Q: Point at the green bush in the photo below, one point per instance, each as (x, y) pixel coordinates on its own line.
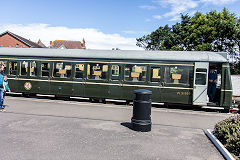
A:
(228, 132)
(233, 143)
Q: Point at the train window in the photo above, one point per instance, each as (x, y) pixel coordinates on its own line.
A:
(3, 63)
(116, 72)
(201, 70)
(45, 68)
(13, 68)
(62, 69)
(135, 73)
(97, 71)
(178, 74)
(79, 70)
(201, 75)
(23, 68)
(33, 68)
(155, 74)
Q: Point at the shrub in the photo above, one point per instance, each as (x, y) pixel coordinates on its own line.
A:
(233, 144)
(228, 132)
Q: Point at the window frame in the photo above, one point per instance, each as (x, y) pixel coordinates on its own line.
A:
(64, 65)
(36, 69)
(202, 71)
(88, 70)
(75, 71)
(190, 75)
(16, 70)
(136, 65)
(120, 67)
(20, 68)
(41, 70)
(160, 73)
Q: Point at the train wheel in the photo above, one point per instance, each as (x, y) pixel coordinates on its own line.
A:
(96, 100)
(102, 101)
(26, 95)
(92, 100)
(60, 97)
(129, 102)
(33, 94)
(226, 110)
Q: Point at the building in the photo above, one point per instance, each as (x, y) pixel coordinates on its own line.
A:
(66, 44)
(9, 39)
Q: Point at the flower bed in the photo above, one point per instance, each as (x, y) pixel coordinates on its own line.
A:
(228, 133)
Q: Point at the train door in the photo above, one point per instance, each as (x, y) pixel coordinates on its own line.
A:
(61, 81)
(97, 84)
(156, 82)
(200, 83)
(13, 70)
(79, 79)
(116, 88)
(44, 76)
(135, 77)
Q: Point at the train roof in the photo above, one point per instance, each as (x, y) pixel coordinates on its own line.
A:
(184, 56)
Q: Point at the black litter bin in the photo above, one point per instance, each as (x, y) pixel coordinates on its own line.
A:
(141, 120)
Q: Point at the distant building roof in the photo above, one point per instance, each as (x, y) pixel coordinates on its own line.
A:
(41, 44)
(23, 40)
(67, 44)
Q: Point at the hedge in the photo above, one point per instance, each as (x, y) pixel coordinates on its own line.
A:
(228, 132)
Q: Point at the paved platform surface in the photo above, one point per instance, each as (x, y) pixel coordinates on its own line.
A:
(43, 129)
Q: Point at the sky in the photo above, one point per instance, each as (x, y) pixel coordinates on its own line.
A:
(104, 24)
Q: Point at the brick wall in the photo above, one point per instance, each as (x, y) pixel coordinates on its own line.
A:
(8, 41)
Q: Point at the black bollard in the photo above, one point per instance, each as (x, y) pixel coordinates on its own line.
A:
(141, 120)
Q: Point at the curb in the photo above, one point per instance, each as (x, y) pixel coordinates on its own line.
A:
(219, 146)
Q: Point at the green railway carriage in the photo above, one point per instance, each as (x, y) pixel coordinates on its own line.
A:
(173, 76)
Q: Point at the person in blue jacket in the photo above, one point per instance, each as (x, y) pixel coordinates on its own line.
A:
(212, 83)
(2, 88)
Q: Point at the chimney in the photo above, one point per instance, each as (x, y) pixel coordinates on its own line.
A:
(83, 44)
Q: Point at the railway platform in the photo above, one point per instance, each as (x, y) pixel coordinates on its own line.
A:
(46, 128)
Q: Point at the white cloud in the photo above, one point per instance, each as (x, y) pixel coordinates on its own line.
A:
(175, 18)
(157, 17)
(186, 6)
(148, 7)
(192, 12)
(178, 7)
(94, 38)
(218, 2)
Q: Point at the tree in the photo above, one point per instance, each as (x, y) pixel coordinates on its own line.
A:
(213, 31)
(235, 68)
(161, 39)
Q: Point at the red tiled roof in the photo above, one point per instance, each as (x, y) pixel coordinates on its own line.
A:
(24, 40)
(68, 44)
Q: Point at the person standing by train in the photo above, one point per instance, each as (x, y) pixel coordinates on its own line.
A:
(212, 83)
(2, 88)
(6, 86)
